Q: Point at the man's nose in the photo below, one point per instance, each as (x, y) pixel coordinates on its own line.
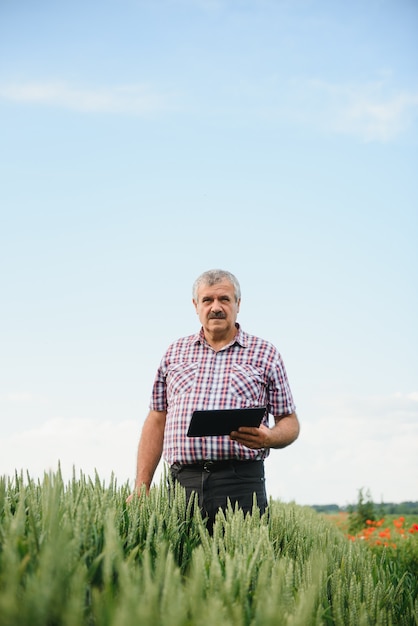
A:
(216, 306)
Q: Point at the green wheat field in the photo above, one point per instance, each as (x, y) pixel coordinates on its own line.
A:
(75, 554)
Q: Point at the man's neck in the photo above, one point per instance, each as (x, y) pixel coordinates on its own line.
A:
(217, 342)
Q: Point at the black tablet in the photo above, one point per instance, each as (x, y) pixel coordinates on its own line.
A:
(223, 421)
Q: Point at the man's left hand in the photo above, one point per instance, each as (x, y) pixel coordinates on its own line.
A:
(254, 438)
(283, 433)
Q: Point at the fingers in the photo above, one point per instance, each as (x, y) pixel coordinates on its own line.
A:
(249, 437)
(254, 438)
(136, 493)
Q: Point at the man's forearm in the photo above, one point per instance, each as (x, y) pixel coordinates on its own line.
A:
(150, 448)
(285, 431)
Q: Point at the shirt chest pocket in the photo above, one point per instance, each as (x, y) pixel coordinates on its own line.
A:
(181, 378)
(248, 383)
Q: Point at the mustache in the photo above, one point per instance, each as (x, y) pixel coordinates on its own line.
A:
(217, 316)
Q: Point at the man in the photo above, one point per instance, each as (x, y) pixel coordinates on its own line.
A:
(220, 367)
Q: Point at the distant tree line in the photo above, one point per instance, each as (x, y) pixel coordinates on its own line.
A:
(370, 509)
(404, 508)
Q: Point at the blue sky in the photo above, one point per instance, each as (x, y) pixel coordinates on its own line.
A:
(145, 142)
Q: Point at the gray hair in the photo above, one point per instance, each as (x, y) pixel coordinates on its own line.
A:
(212, 277)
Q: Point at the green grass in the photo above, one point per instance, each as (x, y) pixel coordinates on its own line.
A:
(75, 554)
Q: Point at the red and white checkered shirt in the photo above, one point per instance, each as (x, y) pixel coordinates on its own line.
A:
(248, 372)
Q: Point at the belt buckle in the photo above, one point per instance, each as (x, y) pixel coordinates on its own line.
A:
(208, 465)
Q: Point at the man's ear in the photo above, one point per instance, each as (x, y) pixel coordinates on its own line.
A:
(195, 304)
(238, 305)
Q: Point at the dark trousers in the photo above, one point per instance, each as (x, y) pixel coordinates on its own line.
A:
(222, 482)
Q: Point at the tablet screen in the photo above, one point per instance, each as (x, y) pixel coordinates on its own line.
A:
(223, 421)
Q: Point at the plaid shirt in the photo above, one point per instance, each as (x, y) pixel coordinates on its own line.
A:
(248, 372)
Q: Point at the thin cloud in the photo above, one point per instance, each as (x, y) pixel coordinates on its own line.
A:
(398, 406)
(127, 99)
(369, 111)
(22, 398)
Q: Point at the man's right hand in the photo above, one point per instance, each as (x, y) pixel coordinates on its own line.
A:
(136, 493)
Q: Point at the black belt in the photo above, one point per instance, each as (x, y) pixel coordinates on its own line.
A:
(211, 466)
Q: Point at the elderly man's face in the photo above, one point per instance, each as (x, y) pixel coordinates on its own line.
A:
(217, 308)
